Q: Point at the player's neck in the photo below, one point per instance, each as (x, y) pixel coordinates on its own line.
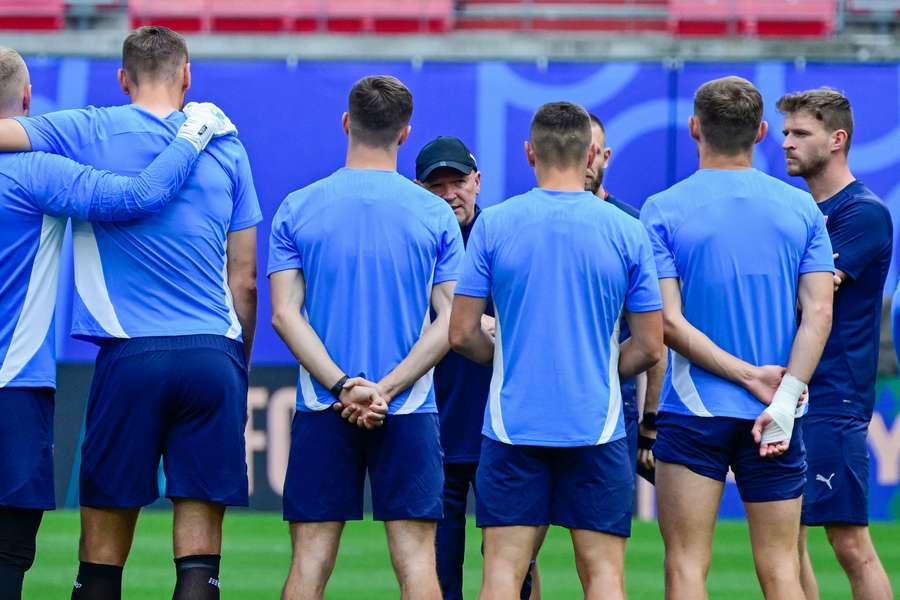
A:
(157, 99)
(601, 192)
(832, 179)
(559, 180)
(365, 157)
(710, 159)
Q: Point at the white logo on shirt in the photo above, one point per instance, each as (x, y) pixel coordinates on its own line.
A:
(826, 481)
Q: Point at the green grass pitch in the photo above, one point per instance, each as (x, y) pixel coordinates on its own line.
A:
(257, 553)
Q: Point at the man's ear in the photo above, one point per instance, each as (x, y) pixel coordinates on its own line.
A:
(186, 77)
(839, 140)
(124, 82)
(26, 100)
(477, 175)
(404, 135)
(529, 153)
(607, 153)
(345, 123)
(763, 130)
(694, 127)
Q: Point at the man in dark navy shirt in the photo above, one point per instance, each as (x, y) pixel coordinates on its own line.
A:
(447, 168)
(818, 128)
(640, 439)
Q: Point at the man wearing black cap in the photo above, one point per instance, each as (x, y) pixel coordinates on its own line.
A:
(447, 168)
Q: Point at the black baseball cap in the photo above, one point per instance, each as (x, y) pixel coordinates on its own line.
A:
(444, 151)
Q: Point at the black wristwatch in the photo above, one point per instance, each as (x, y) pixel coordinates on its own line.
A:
(649, 421)
(339, 386)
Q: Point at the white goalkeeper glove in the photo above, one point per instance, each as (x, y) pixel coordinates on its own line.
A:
(204, 121)
(782, 410)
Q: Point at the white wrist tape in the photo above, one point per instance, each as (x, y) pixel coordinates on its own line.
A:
(782, 410)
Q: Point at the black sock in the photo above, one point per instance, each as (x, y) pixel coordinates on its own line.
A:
(197, 577)
(11, 580)
(18, 529)
(97, 582)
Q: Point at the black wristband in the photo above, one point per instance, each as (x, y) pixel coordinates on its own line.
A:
(645, 442)
(649, 421)
(339, 386)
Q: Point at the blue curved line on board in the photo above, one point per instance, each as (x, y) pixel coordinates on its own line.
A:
(500, 87)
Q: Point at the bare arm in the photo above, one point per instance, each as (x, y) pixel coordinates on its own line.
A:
(694, 345)
(773, 428)
(288, 290)
(655, 376)
(428, 350)
(241, 257)
(13, 137)
(467, 333)
(359, 400)
(645, 346)
(816, 295)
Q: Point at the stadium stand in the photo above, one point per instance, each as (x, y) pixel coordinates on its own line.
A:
(32, 15)
(680, 18)
(783, 18)
(556, 15)
(332, 16)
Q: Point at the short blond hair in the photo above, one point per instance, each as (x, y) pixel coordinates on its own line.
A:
(13, 78)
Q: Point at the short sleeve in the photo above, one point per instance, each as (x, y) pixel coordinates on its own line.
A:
(860, 235)
(476, 275)
(660, 240)
(61, 132)
(283, 251)
(643, 283)
(450, 249)
(817, 257)
(245, 212)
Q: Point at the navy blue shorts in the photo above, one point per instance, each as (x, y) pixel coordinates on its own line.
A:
(26, 448)
(708, 446)
(330, 456)
(837, 484)
(180, 398)
(581, 487)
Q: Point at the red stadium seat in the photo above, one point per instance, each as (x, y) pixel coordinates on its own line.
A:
(788, 18)
(32, 14)
(341, 16)
(389, 16)
(264, 15)
(563, 15)
(181, 15)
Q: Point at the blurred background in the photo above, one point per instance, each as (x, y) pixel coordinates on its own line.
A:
(282, 69)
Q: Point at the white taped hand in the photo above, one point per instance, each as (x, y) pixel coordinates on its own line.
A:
(782, 410)
(204, 121)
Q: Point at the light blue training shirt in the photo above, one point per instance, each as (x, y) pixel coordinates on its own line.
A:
(738, 242)
(166, 275)
(561, 268)
(371, 244)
